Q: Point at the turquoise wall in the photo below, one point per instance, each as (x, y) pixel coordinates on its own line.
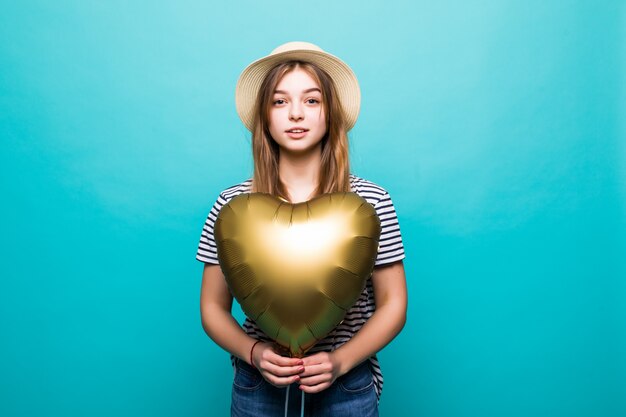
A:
(498, 127)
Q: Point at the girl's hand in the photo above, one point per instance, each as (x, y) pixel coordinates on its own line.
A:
(320, 371)
(278, 370)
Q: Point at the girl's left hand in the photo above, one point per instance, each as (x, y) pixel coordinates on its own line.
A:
(320, 371)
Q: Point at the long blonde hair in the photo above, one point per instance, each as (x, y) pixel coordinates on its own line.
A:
(335, 166)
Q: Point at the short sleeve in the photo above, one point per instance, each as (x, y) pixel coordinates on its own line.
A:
(207, 250)
(390, 248)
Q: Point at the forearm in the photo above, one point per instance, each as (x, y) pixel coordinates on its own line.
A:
(380, 329)
(224, 330)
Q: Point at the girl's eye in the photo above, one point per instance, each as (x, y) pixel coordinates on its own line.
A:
(312, 100)
(279, 101)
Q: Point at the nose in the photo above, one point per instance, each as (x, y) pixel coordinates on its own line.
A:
(295, 112)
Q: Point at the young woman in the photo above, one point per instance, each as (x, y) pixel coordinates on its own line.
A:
(299, 102)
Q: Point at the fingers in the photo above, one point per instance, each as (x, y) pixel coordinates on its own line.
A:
(283, 370)
(280, 381)
(315, 388)
(266, 353)
(320, 371)
(320, 368)
(276, 369)
(313, 380)
(273, 357)
(316, 359)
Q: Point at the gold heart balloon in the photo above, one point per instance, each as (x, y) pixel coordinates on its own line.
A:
(296, 269)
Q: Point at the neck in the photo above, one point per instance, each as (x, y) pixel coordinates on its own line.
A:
(300, 173)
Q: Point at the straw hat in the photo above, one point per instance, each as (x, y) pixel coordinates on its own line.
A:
(251, 78)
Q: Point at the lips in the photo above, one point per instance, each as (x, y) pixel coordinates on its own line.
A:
(297, 130)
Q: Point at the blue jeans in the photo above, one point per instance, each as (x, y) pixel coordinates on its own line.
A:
(351, 395)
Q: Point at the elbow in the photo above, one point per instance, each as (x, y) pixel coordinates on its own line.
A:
(396, 312)
(401, 306)
(401, 320)
(204, 320)
(207, 316)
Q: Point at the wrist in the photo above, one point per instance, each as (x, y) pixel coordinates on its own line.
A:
(252, 353)
(343, 361)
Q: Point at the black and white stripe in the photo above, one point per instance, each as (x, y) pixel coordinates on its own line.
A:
(390, 250)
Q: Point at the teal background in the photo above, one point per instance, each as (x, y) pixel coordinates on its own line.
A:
(498, 127)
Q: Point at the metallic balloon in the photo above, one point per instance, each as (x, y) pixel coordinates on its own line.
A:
(296, 269)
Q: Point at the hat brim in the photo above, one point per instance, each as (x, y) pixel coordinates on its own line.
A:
(252, 76)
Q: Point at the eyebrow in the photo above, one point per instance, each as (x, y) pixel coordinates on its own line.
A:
(305, 91)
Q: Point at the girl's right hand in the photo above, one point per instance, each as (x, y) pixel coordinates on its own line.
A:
(278, 370)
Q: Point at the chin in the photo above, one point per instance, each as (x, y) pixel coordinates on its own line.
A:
(299, 150)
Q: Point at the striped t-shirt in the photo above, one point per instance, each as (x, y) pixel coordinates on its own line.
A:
(390, 250)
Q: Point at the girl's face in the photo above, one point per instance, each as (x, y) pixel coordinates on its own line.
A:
(297, 120)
